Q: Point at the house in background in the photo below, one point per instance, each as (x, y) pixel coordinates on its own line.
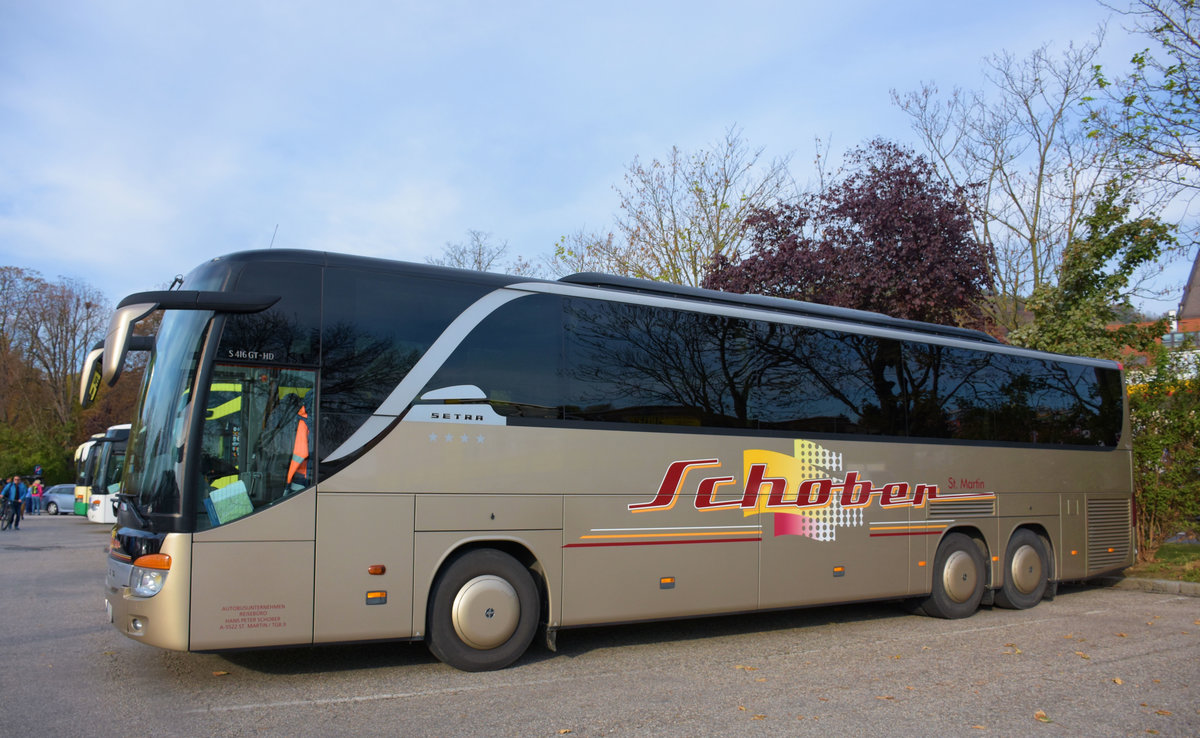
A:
(1185, 322)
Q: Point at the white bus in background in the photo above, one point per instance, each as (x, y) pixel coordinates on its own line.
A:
(83, 473)
(106, 481)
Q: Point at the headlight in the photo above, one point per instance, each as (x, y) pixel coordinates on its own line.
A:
(149, 574)
(147, 582)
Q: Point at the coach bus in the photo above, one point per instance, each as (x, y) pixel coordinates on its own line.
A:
(106, 479)
(84, 466)
(335, 449)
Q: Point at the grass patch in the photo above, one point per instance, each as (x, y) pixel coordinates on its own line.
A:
(1178, 562)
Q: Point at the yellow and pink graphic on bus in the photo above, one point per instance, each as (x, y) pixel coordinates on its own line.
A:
(805, 492)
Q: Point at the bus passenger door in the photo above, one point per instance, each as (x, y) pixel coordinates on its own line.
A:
(253, 569)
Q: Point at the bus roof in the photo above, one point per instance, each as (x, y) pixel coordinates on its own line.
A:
(775, 304)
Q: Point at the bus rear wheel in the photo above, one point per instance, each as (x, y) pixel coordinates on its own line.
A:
(958, 578)
(1025, 571)
(483, 611)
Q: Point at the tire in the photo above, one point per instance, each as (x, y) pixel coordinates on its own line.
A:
(1026, 571)
(52, 508)
(959, 573)
(483, 611)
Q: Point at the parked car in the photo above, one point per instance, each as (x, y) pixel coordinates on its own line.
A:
(59, 499)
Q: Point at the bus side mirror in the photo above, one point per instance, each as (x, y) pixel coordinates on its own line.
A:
(90, 377)
(116, 343)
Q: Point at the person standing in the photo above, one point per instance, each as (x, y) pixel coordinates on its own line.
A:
(22, 493)
(35, 496)
(6, 504)
(13, 492)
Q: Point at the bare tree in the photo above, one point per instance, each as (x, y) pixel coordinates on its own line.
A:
(584, 251)
(1026, 153)
(481, 254)
(680, 213)
(15, 291)
(64, 320)
(45, 330)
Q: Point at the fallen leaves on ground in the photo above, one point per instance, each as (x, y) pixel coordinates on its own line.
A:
(1040, 716)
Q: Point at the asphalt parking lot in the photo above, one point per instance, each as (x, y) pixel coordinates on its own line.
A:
(1097, 660)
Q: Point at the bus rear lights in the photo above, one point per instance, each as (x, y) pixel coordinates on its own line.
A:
(150, 573)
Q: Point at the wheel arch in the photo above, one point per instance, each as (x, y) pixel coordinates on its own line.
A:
(976, 535)
(1039, 529)
(514, 547)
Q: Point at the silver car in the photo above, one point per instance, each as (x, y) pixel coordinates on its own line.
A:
(59, 499)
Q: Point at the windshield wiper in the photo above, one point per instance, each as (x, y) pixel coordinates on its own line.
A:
(132, 505)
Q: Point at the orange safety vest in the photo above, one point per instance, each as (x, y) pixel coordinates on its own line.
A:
(300, 447)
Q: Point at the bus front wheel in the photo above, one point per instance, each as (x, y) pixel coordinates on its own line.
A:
(958, 578)
(1025, 571)
(483, 611)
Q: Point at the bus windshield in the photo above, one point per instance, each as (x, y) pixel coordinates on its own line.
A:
(156, 452)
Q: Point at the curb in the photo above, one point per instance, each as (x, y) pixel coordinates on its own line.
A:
(1157, 586)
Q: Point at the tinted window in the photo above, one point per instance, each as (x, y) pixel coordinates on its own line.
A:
(978, 396)
(831, 382)
(376, 326)
(634, 363)
(289, 332)
(514, 356)
(637, 364)
(597, 361)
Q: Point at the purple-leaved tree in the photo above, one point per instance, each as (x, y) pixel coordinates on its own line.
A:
(887, 235)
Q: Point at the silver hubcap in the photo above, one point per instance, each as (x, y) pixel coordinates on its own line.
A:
(1026, 570)
(960, 576)
(486, 612)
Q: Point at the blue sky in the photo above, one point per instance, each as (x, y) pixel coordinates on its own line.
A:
(140, 138)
